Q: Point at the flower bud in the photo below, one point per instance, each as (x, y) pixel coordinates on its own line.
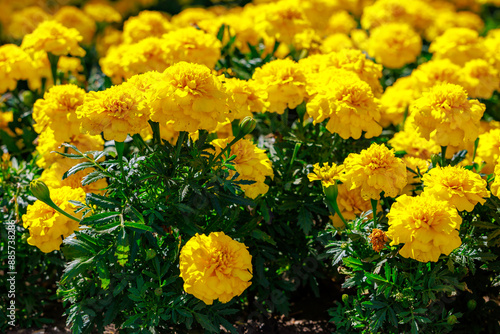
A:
(451, 320)
(28, 97)
(331, 193)
(150, 253)
(40, 190)
(471, 304)
(158, 291)
(247, 125)
(345, 298)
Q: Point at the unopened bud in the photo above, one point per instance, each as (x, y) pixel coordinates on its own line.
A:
(158, 291)
(40, 190)
(451, 320)
(247, 125)
(28, 97)
(471, 304)
(150, 253)
(345, 298)
(331, 193)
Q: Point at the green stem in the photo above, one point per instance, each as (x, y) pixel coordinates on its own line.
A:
(58, 209)
(53, 59)
(331, 193)
(155, 126)
(374, 203)
(225, 149)
(180, 142)
(120, 148)
(443, 156)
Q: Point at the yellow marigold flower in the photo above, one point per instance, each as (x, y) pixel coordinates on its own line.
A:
(117, 111)
(102, 12)
(340, 22)
(246, 97)
(71, 67)
(378, 239)
(395, 101)
(328, 175)
(374, 170)
(47, 144)
(488, 150)
(447, 19)
(306, 40)
(53, 37)
(417, 165)
(110, 37)
(447, 115)
(356, 7)
(57, 110)
(394, 45)
(194, 46)
(336, 42)
(495, 186)
(251, 162)
(191, 96)
(416, 13)
(284, 82)
(434, 72)
(413, 144)
(6, 117)
(282, 20)
(46, 225)
(360, 39)
(190, 17)
(480, 79)
(72, 17)
(15, 65)
(347, 101)
(351, 205)
(53, 177)
(458, 45)
(25, 21)
(427, 226)
(460, 187)
(215, 267)
(146, 24)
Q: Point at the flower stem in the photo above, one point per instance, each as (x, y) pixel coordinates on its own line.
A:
(53, 59)
(120, 147)
(374, 203)
(54, 206)
(331, 193)
(443, 156)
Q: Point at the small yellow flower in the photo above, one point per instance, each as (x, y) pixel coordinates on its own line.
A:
(495, 186)
(427, 226)
(48, 227)
(215, 267)
(146, 24)
(480, 79)
(460, 187)
(251, 163)
(445, 114)
(458, 45)
(53, 37)
(15, 65)
(72, 17)
(328, 175)
(374, 170)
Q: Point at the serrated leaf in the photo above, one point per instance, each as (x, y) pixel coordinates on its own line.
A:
(75, 267)
(205, 322)
(79, 167)
(305, 220)
(261, 235)
(139, 226)
(100, 218)
(122, 248)
(92, 177)
(102, 201)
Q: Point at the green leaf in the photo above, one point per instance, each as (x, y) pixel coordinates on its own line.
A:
(102, 201)
(205, 322)
(74, 268)
(131, 320)
(139, 226)
(79, 167)
(261, 235)
(305, 220)
(100, 218)
(93, 177)
(122, 248)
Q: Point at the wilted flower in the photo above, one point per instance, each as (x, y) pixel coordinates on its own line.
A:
(215, 267)
(378, 239)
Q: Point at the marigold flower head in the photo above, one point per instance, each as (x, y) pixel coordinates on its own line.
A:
(319, 12)
(57, 110)
(480, 79)
(458, 45)
(24, 21)
(282, 20)
(347, 101)
(15, 65)
(215, 267)
(146, 24)
(47, 143)
(395, 101)
(53, 177)
(191, 96)
(447, 19)
(374, 170)
(102, 12)
(394, 45)
(447, 115)
(351, 205)
(495, 186)
(109, 38)
(246, 97)
(48, 227)
(336, 42)
(192, 45)
(190, 17)
(488, 150)
(52, 36)
(378, 239)
(72, 17)
(426, 225)
(413, 144)
(328, 175)
(251, 163)
(116, 112)
(434, 72)
(460, 187)
(340, 22)
(284, 82)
